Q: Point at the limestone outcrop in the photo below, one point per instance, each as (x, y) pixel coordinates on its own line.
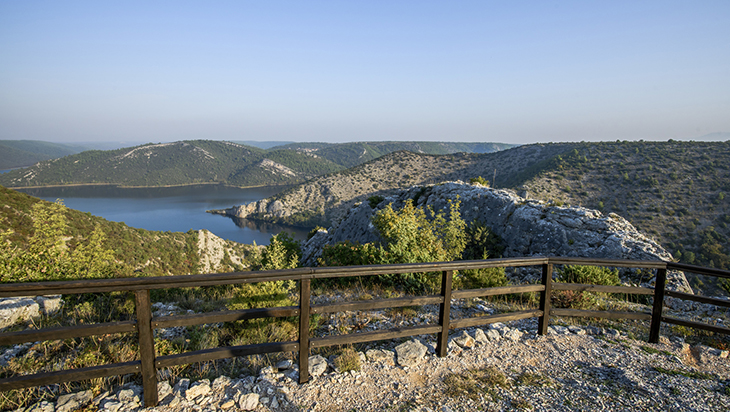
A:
(529, 227)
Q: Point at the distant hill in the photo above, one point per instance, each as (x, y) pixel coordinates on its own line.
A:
(178, 163)
(22, 153)
(353, 154)
(210, 161)
(261, 145)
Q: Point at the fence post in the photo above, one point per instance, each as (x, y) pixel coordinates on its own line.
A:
(656, 313)
(442, 341)
(146, 347)
(304, 295)
(547, 280)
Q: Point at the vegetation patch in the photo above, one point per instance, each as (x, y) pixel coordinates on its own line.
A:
(474, 384)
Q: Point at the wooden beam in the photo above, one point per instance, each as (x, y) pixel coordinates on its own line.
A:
(545, 299)
(67, 332)
(223, 353)
(224, 316)
(502, 317)
(146, 347)
(69, 375)
(373, 336)
(501, 290)
(600, 314)
(442, 340)
(603, 288)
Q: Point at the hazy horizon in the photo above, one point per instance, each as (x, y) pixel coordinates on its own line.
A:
(516, 72)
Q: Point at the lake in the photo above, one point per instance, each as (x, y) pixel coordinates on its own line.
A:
(175, 209)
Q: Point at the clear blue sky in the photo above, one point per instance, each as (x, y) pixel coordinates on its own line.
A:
(336, 71)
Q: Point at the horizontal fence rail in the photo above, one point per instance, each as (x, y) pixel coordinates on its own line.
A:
(145, 323)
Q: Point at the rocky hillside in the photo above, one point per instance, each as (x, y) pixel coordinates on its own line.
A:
(527, 227)
(326, 199)
(674, 191)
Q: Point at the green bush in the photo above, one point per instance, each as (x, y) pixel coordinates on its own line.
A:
(374, 201)
(587, 275)
(480, 181)
(283, 252)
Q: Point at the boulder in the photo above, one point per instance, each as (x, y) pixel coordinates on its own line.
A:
(249, 401)
(411, 353)
(73, 401)
(317, 365)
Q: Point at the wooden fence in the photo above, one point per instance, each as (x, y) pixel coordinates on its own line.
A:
(148, 363)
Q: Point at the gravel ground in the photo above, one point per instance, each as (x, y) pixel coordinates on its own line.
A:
(579, 373)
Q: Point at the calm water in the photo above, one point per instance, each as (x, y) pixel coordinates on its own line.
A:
(176, 209)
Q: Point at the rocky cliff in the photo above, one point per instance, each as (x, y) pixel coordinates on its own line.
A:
(528, 227)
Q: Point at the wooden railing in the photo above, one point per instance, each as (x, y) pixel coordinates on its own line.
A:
(145, 323)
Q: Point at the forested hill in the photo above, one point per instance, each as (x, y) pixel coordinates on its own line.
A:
(353, 154)
(22, 153)
(207, 161)
(179, 163)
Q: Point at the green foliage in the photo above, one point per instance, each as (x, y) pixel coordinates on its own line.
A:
(47, 257)
(351, 254)
(587, 275)
(374, 201)
(314, 231)
(283, 252)
(135, 251)
(480, 278)
(482, 243)
(414, 234)
(480, 181)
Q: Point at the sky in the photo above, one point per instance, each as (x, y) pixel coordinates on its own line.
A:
(340, 71)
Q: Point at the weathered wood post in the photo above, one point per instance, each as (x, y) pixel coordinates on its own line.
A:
(547, 280)
(656, 313)
(146, 347)
(304, 295)
(442, 341)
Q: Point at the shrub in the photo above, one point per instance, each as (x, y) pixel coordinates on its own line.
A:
(587, 275)
(349, 360)
(374, 201)
(283, 252)
(479, 181)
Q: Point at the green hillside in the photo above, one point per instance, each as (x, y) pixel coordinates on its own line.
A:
(22, 153)
(179, 163)
(353, 154)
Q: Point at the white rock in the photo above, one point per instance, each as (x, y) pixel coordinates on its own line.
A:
(317, 365)
(480, 336)
(73, 401)
(411, 353)
(249, 401)
(464, 340)
(198, 389)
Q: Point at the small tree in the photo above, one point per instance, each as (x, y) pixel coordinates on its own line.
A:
(283, 252)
